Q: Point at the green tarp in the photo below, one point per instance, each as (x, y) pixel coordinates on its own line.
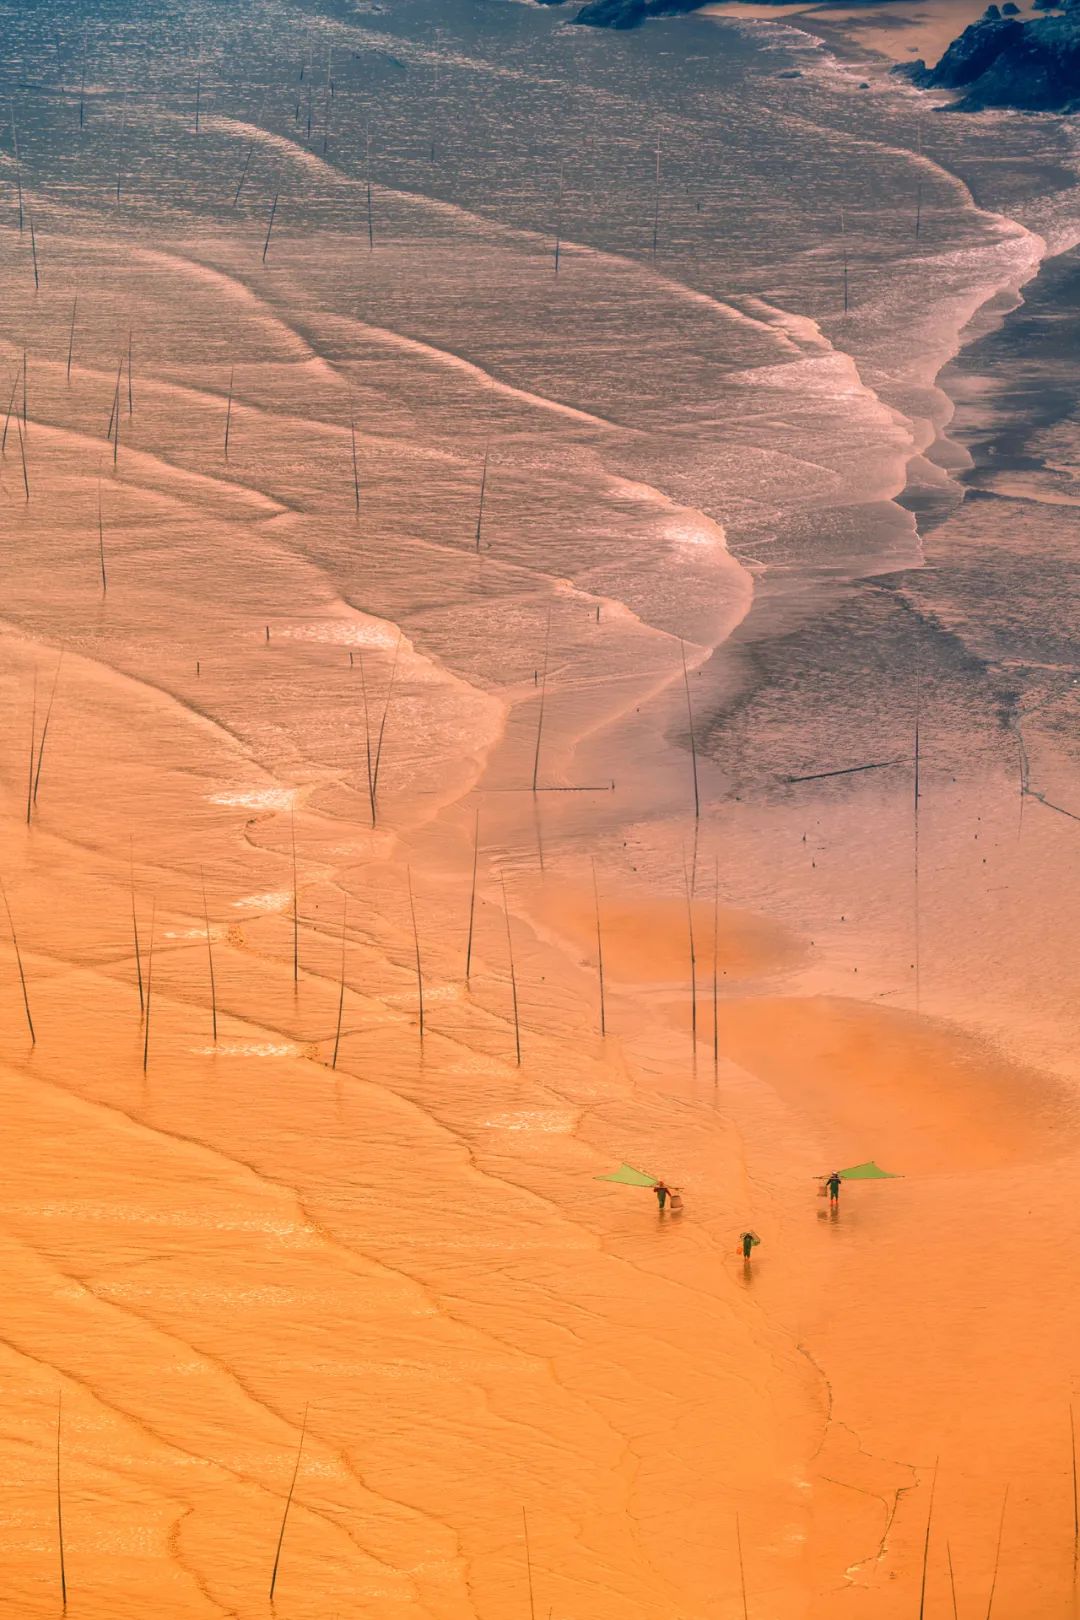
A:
(629, 1177)
(866, 1172)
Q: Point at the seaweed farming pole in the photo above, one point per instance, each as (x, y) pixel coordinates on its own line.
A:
(528, 1565)
(844, 257)
(715, 966)
(295, 903)
(997, 1555)
(513, 977)
(483, 491)
(341, 987)
(1075, 1494)
(101, 541)
(693, 951)
(149, 986)
(416, 951)
(135, 931)
(558, 219)
(60, 1505)
(270, 226)
(742, 1569)
(367, 167)
(952, 1581)
(33, 252)
(656, 199)
(18, 167)
(71, 336)
(288, 1505)
(209, 956)
(543, 700)
(915, 817)
(228, 410)
(19, 965)
(33, 746)
(599, 952)
(693, 747)
(926, 1544)
(355, 464)
(472, 895)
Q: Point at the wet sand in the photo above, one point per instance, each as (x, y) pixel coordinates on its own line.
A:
(224, 1250)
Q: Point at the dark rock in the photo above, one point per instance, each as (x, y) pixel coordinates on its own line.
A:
(790, 73)
(1000, 62)
(1009, 10)
(631, 13)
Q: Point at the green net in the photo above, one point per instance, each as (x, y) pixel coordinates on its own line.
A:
(629, 1177)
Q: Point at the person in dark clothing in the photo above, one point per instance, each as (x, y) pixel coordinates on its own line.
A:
(661, 1190)
(747, 1241)
(833, 1184)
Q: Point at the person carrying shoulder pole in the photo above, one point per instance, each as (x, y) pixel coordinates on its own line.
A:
(833, 1184)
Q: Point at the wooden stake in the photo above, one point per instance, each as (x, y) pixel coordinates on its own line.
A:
(149, 986)
(472, 895)
(543, 699)
(10, 409)
(209, 956)
(690, 721)
(123, 140)
(130, 388)
(416, 948)
(599, 952)
(341, 991)
(198, 99)
(513, 977)
(528, 1565)
(915, 819)
(288, 1505)
(60, 1505)
(843, 250)
(19, 965)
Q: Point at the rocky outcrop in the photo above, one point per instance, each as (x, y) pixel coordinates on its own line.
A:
(628, 13)
(1001, 62)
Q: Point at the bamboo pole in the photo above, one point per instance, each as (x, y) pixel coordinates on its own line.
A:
(101, 541)
(228, 410)
(135, 931)
(656, 199)
(149, 986)
(270, 226)
(209, 956)
(715, 967)
(60, 1506)
(690, 720)
(33, 750)
(33, 250)
(71, 335)
(19, 965)
(1075, 1493)
(558, 220)
(355, 465)
(742, 1570)
(483, 491)
(341, 988)
(997, 1555)
(513, 977)
(926, 1545)
(599, 952)
(382, 723)
(288, 1505)
(472, 895)
(528, 1565)
(416, 949)
(367, 736)
(693, 952)
(295, 903)
(18, 167)
(952, 1581)
(45, 727)
(543, 701)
